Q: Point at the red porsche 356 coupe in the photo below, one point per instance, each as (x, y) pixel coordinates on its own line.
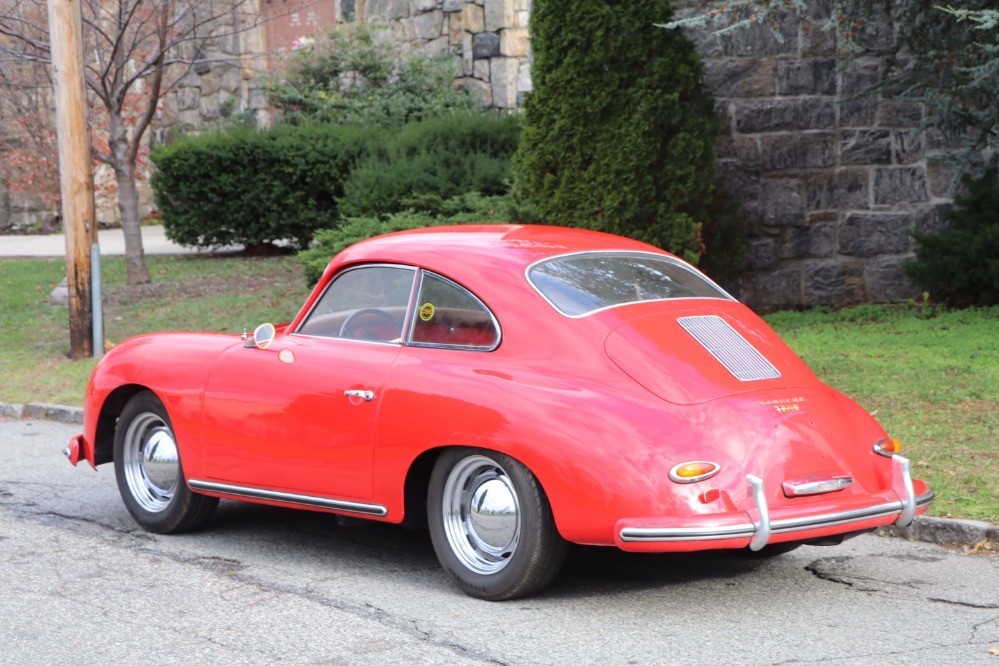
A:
(513, 388)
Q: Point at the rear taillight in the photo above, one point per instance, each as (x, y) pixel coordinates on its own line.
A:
(693, 471)
(887, 447)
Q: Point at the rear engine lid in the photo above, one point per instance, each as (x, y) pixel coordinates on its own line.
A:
(688, 357)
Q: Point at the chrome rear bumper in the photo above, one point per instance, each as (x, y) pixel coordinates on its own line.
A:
(759, 528)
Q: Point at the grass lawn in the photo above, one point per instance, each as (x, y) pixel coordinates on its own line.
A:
(188, 293)
(932, 380)
(930, 377)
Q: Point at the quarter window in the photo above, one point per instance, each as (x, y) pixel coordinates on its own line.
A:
(448, 315)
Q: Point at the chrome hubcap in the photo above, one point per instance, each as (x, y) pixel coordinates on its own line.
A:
(151, 463)
(481, 514)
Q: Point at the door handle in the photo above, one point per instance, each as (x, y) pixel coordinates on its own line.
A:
(363, 395)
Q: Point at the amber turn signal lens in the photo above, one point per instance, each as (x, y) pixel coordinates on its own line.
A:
(693, 471)
(887, 447)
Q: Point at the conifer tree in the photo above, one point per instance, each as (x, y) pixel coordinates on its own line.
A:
(619, 133)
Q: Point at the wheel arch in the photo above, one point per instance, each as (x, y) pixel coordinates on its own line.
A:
(107, 421)
(416, 485)
(417, 481)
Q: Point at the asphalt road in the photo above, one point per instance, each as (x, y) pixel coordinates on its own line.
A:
(81, 584)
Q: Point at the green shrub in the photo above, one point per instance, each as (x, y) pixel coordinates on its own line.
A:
(433, 160)
(619, 133)
(724, 234)
(362, 75)
(960, 264)
(252, 188)
(464, 209)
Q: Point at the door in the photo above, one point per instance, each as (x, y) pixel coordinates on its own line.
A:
(300, 416)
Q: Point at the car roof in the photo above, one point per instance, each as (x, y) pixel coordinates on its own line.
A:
(511, 246)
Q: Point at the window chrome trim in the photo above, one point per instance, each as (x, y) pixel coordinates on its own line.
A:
(680, 263)
(288, 498)
(410, 321)
(406, 315)
(414, 307)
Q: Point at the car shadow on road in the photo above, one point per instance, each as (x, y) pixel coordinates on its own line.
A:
(594, 569)
(589, 570)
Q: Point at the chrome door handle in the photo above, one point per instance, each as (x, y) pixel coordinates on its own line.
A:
(363, 395)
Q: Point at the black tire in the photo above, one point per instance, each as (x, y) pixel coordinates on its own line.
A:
(492, 553)
(148, 469)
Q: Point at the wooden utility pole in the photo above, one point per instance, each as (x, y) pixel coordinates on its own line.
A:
(76, 176)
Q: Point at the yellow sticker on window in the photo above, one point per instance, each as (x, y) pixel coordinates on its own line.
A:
(427, 311)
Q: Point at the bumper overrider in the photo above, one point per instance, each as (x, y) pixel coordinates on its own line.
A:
(761, 525)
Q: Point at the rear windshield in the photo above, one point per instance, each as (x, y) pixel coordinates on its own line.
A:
(578, 284)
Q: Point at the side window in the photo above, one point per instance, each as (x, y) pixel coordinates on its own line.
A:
(366, 303)
(449, 316)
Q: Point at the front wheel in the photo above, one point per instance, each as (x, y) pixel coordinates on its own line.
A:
(149, 473)
(491, 525)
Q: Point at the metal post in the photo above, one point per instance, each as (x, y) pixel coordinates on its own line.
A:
(98, 299)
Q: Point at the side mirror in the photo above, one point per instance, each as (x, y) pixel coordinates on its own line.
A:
(263, 336)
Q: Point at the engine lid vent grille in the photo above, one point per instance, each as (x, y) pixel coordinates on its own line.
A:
(730, 349)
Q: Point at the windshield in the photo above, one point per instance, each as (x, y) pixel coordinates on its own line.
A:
(578, 284)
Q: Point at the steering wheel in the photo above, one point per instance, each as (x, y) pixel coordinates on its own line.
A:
(347, 332)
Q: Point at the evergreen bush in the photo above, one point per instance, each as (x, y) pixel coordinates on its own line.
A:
(619, 133)
(362, 75)
(433, 160)
(255, 187)
(959, 265)
(463, 209)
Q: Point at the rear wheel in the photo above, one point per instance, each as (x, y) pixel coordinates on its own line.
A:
(491, 525)
(148, 470)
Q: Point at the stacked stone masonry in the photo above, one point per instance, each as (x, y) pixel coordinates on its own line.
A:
(489, 37)
(831, 176)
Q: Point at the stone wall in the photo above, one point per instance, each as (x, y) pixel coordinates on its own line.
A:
(223, 82)
(20, 210)
(490, 37)
(831, 176)
(226, 76)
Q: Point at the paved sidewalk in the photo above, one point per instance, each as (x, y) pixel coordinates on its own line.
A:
(112, 242)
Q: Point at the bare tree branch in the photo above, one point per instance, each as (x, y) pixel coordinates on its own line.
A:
(154, 92)
(129, 43)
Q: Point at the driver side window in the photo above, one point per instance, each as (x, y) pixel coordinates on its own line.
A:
(365, 303)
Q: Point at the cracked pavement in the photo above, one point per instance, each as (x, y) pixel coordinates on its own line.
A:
(80, 583)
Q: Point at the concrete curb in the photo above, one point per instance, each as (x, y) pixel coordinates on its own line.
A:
(42, 410)
(944, 531)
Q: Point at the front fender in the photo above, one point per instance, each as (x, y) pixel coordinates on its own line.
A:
(174, 366)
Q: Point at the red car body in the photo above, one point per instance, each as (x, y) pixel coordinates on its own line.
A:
(600, 407)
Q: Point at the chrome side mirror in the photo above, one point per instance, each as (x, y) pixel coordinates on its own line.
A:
(263, 336)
